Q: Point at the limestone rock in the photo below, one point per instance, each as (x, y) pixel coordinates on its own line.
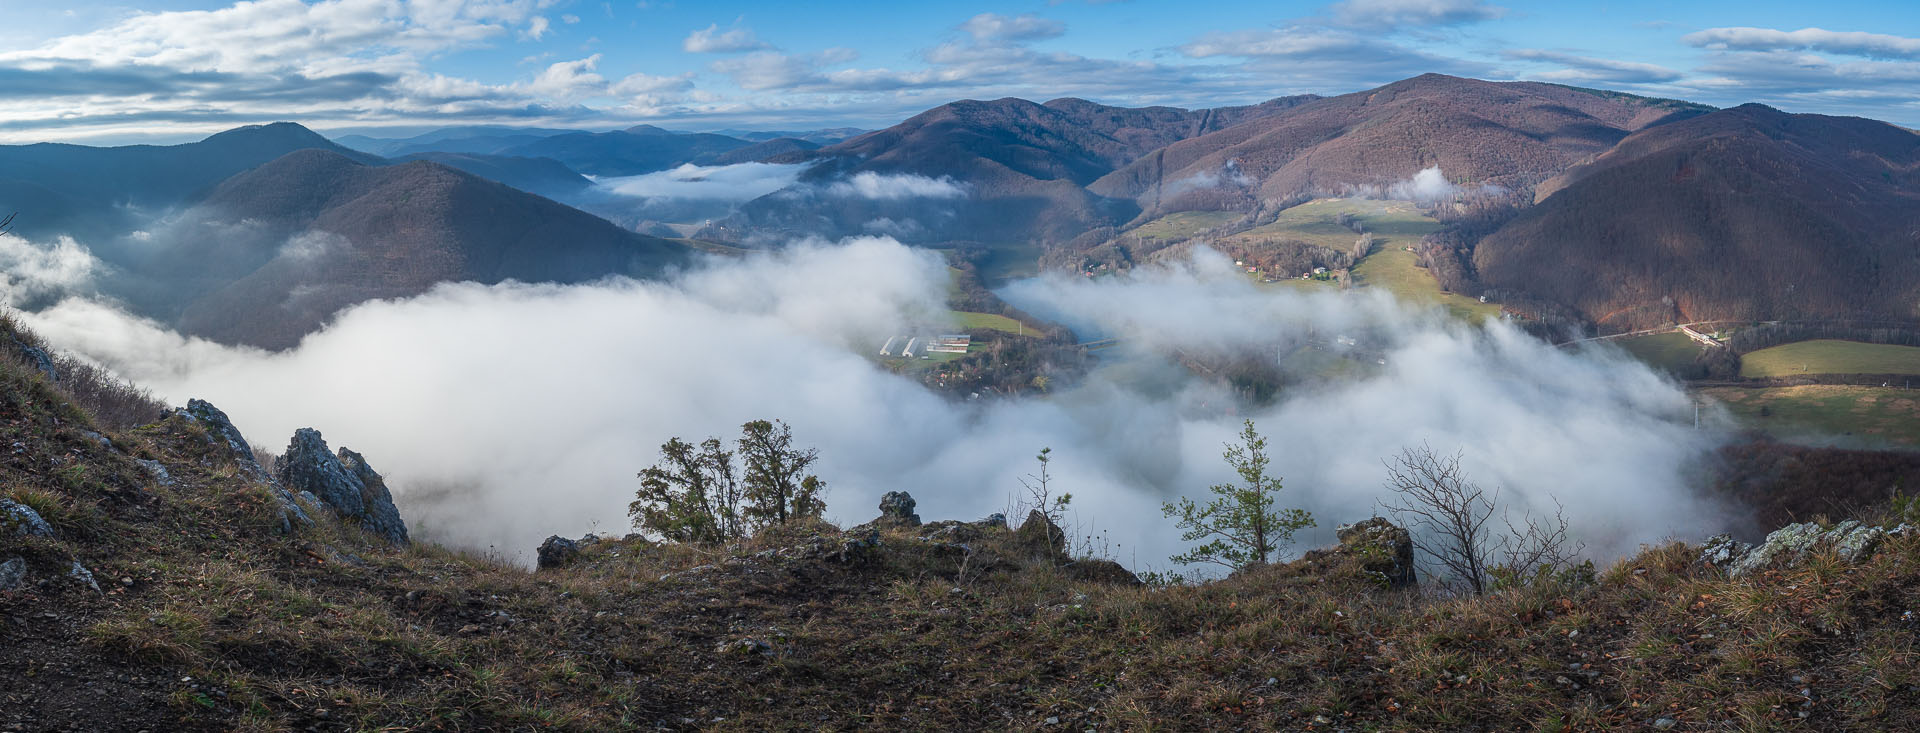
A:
(40, 360)
(381, 515)
(13, 574)
(558, 552)
(157, 471)
(1382, 547)
(80, 574)
(1722, 551)
(343, 483)
(1040, 537)
(896, 509)
(1851, 541)
(22, 519)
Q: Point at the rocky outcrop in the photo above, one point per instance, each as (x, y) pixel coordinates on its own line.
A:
(343, 482)
(1040, 538)
(558, 552)
(380, 513)
(1382, 547)
(13, 574)
(22, 519)
(1374, 551)
(896, 510)
(1850, 541)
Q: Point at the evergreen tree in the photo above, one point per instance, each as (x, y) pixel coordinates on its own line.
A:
(1240, 527)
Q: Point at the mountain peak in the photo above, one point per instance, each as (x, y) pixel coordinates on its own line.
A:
(276, 131)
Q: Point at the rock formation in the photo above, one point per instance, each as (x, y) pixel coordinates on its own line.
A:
(344, 483)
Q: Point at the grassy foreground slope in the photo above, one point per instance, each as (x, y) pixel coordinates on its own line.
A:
(210, 617)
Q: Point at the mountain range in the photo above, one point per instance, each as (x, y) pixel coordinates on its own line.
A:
(1624, 211)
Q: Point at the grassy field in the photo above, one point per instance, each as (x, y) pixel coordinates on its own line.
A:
(969, 321)
(1399, 224)
(1875, 415)
(1184, 224)
(1830, 357)
(1670, 351)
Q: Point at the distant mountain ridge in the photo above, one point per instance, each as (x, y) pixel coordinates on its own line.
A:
(1026, 166)
(98, 192)
(354, 232)
(1498, 133)
(1747, 213)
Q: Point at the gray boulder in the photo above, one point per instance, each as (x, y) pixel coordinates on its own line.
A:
(80, 574)
(13, 574)
(558, 552)
(896, 509)
(1791, 545)
(22, 519)
(1382, 547)
(1040, 538)
(343, 483)
(381, 515)
(40, 360)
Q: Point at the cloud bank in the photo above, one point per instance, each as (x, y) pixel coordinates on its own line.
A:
(507, 413)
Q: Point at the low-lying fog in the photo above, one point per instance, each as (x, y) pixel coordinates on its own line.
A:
(504, 414)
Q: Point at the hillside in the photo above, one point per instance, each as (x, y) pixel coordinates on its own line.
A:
(1505, 134)
(156, 574)
(100, 192)
(633, 151)
(1747, 213)
(330, 232)
(544, 176)
(1024, 165)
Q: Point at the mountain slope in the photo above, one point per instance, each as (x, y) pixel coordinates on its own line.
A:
(334, 232)
(544, 176)
(1509, 134)
(1746, 213)
(1024, 166)
(98, 192)
(633, 151)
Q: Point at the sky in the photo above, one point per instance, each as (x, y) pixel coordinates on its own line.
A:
(172, 70)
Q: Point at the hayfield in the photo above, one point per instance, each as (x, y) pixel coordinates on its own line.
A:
(1826, 356)
(1883, 416)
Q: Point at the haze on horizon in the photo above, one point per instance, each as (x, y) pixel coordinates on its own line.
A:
(108, 72)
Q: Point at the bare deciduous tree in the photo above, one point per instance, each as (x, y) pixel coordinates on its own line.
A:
(1451, 518)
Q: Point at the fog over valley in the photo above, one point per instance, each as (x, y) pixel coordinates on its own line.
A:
(502, 414)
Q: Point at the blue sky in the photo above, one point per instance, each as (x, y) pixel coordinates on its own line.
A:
(100, 70)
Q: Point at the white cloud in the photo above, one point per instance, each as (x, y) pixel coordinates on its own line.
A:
(261, 35)
(1393, 13)
(783, 336)
(1228, 175)
(897, 186)
(569, 81)
(1587, 70)
(993, 27)
(33, 273)
(729, 183)
(713, 40)
(537, 28)
(1848, 43)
